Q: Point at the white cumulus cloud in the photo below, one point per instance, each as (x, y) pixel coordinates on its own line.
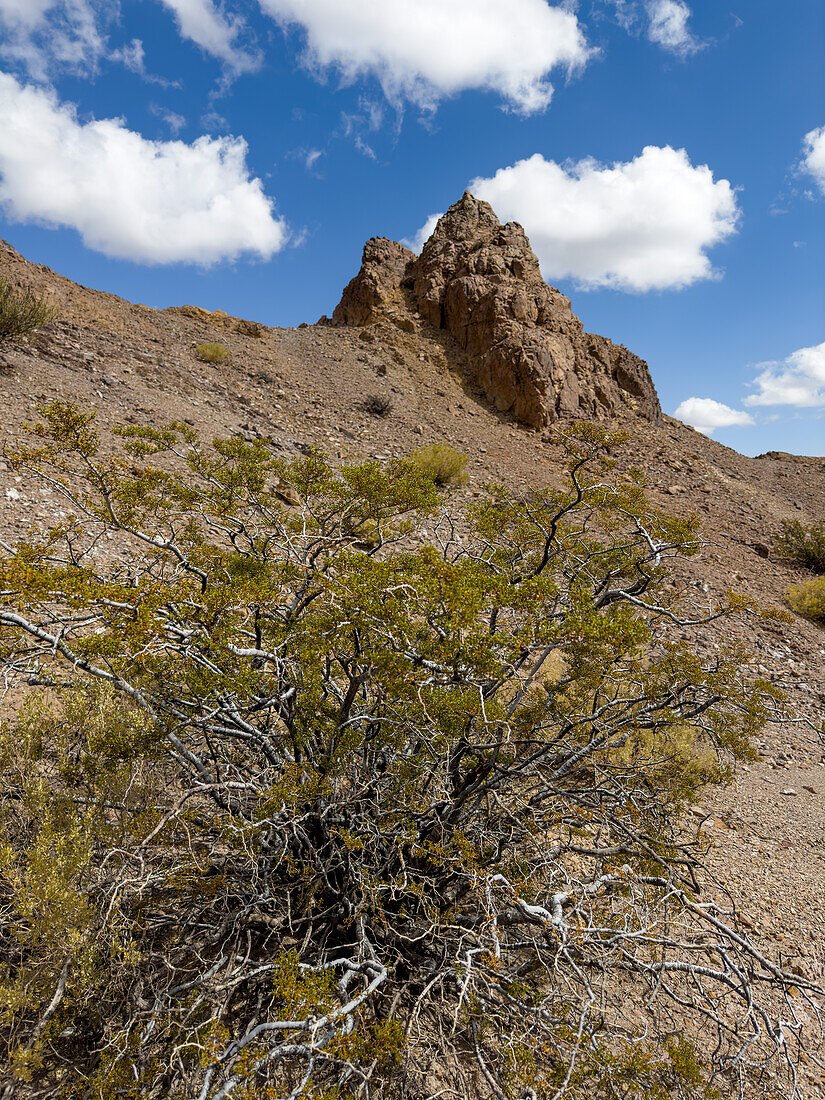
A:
(24, 12)
(797, 380)
(422, 50)
(813, 156)
(641, 225)
(706, 415)
(664, 22)
(149, 201)
(668, 27)
(215, 31)
(38, 35)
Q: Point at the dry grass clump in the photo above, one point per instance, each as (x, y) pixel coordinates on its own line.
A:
(22, 312)
(803, 544)
(211, 353)
(442, 463)
(808, 599)
(377, 404)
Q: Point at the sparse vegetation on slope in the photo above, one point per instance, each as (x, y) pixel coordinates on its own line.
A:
(22, 312)
(803, 543)
(286, 817)
(377, 404)
(441, 463)
(808, 599)
(211, 353)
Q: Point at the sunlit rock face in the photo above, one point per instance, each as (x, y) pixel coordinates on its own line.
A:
(480, 281)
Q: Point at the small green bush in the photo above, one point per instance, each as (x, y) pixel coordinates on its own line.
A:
(441, 463)
(211, 353)
(803, 544)
(808, 599)
(22, 311)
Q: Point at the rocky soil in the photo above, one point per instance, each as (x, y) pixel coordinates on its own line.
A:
(402, 333)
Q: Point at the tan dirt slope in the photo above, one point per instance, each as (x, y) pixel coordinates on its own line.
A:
(306, 386)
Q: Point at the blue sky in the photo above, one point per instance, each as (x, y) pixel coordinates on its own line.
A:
(666, 157)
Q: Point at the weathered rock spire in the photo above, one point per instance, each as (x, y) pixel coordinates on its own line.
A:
(480, 281)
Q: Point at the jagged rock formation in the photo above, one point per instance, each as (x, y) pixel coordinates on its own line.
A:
(480, 281)
(378, 283)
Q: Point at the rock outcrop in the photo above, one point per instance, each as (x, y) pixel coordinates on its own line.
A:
(480, 281)
(378, 284)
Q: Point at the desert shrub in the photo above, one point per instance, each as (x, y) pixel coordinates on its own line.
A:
(377, 404)
(808, 598)
(803, 544)
(293, 814)
(211, 353)
(441, 463)
(22, 311)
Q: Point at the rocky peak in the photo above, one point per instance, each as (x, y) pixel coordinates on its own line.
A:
(9, 252)
(377, 285)
(470, 240)
(480, 281)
